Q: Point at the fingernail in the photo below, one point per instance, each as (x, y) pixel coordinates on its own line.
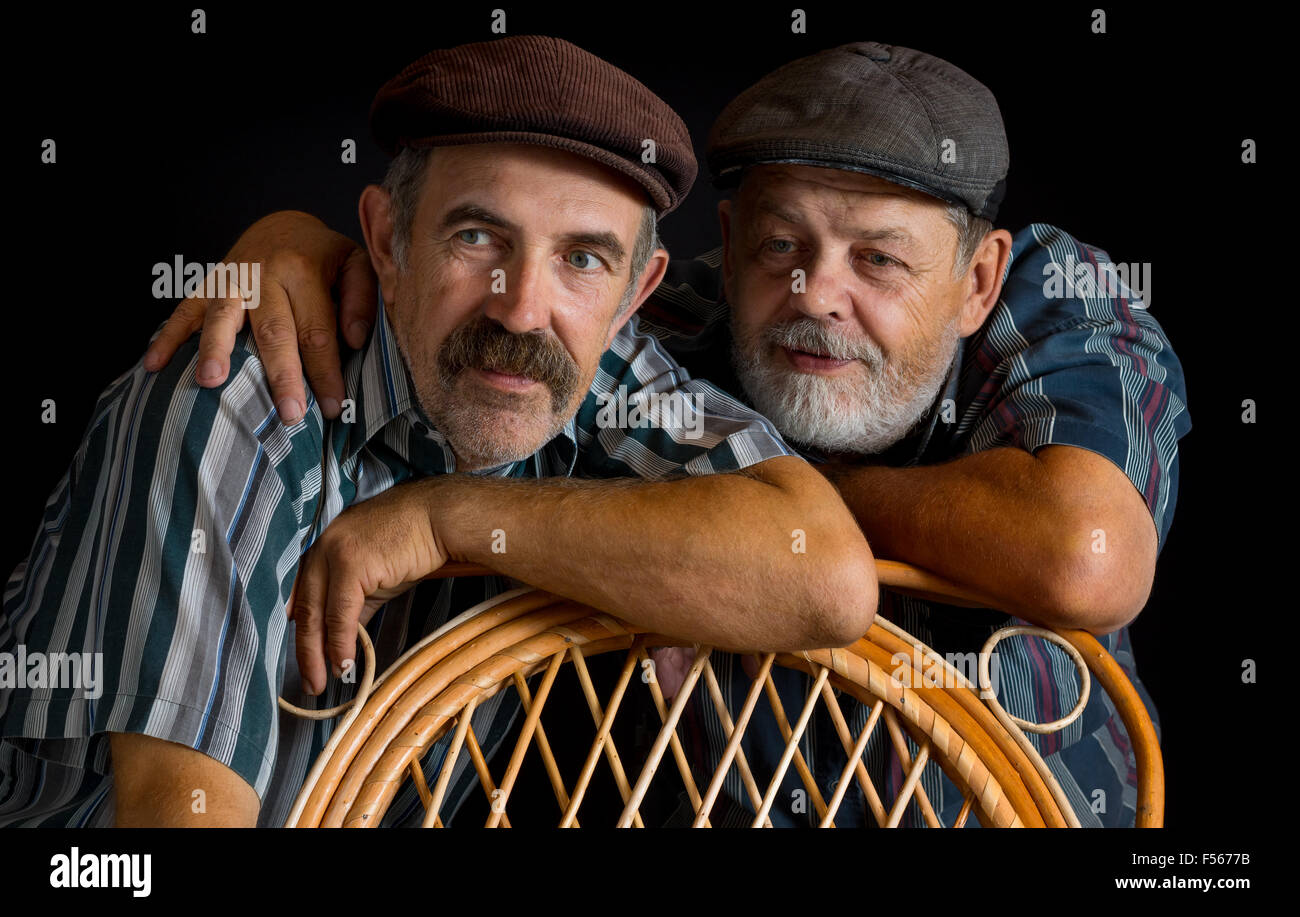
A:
(150, 361)
(335, 669)
(290, 410)
(359, 330)
(329, 406)
(209, 370)
(308, 689)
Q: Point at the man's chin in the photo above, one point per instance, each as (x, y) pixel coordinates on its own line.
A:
(823, 413)
(493, 437)
(489, 431)
(490, 421)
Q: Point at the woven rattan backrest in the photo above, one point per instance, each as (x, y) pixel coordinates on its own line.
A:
(432, 692)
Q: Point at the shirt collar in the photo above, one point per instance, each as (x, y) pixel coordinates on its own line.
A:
(379, 382)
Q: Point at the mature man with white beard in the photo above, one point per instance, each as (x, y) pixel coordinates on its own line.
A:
(985, 413)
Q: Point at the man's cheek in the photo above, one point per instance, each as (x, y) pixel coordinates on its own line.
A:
(758, 302)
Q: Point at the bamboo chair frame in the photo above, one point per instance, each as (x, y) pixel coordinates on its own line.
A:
(435, 686)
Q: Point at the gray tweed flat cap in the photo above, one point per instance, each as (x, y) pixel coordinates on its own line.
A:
(893, 112)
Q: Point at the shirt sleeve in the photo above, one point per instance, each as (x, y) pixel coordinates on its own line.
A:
(1081, 363)
(645, 416)
(163, 563)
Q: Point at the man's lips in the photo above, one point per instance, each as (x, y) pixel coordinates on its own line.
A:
(506, 381)
(813, 362)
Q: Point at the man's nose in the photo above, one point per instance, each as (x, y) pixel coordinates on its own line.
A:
(822, 291)
(518, 297)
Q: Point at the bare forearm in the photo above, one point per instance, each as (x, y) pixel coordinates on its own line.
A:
(732, 560)
(989, 521)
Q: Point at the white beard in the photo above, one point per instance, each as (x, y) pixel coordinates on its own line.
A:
(862, 413)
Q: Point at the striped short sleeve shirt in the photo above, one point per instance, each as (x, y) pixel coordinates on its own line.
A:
(169, 549)
(1063, 358)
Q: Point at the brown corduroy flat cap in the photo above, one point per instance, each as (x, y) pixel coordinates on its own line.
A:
(547, 91)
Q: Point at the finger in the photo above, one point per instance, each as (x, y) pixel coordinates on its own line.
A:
(224, 318)
(309, 623)
(274, 329)
(671, 665)
(358, 298)
(343, 609)
(186, 319)
(313, 313)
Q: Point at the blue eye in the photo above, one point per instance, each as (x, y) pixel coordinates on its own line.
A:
(884, 260)
(576, 260)
(473, 236)
(776, 243)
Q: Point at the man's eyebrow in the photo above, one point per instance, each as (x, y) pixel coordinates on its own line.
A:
(474, 213)
(606, 241)
(887, 234)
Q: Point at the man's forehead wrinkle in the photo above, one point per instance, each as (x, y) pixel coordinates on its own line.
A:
(839, 215)
(781, 212)
(595, 215)
(524, 192)
(784, 195)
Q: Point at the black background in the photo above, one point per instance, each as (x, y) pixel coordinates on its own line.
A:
(171, 143)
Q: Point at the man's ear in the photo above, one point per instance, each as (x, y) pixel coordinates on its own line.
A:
(651, 275)
(377, 226)
(984, 280)
(724, 223)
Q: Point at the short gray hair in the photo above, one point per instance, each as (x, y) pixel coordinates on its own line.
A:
(403, 182)
(647, 241)
(405, 178)
(971, 231)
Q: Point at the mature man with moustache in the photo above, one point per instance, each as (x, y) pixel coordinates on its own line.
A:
(979, 423)
(175, 543)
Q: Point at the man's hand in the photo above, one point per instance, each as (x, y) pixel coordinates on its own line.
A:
(371, 553)
(301, 260)
(671, 664)
(709, 559)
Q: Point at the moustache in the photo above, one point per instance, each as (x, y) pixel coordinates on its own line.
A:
(812, 336)
(482, 343)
